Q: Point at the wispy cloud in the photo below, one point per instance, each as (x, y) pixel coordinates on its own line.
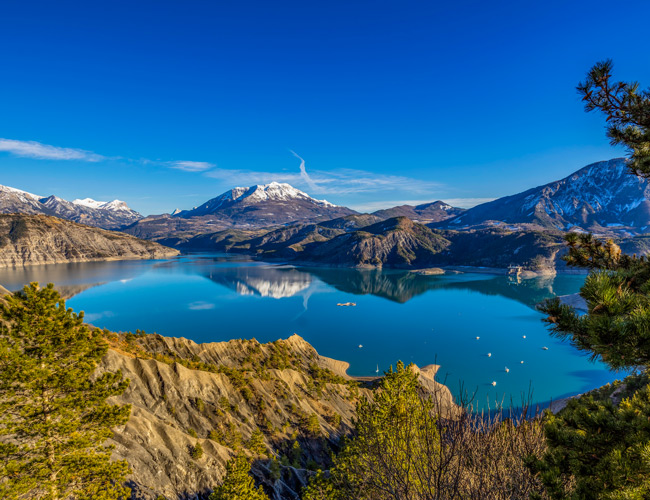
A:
(33, 149)
(191, 166)
(304, 174)
(337, 181)
(39, 151)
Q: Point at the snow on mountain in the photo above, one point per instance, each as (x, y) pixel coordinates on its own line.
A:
(599, 196)
(107, 215)
(266, 204)
(89, 202)
(114, 205)
(275, 191)
(19, 193)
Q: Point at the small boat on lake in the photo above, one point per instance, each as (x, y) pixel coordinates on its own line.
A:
(346, 304)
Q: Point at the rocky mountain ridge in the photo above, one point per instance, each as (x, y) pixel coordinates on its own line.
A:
(435, 211)
(392, 243)
(265, 205)
(41, 239)
(181, 393)
(104, 214)
(603, 198)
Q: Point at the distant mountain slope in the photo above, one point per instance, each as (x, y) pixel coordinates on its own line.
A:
(600, 197)
(397, 242)
(266, 205)
(428, 212)
(41, 239)
(107, 215)
(16, 201)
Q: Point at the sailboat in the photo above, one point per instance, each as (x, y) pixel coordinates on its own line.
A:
(377, 370)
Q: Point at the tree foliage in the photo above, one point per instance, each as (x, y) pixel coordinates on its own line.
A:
(406, 447)
(627, 111)
(238, 484)
(596, 449)
(617, 326)
(54, 418)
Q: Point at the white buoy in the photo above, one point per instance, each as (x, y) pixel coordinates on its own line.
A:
(494, 383)
(489, 354)
(507, 369)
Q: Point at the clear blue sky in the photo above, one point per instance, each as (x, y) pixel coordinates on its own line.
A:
(172, 103)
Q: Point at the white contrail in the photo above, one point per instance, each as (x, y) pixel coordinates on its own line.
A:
(303, 172)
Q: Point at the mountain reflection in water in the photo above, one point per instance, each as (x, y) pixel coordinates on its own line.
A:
(399, 316)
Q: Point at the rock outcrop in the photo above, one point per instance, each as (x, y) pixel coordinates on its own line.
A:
(41, 239)
(218, 394)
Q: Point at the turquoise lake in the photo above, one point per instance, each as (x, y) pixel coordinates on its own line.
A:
(398, 316)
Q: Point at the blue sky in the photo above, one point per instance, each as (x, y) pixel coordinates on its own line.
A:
(168, 104)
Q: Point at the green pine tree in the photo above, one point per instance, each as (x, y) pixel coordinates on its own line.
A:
(238, 484)
(627, 111)
(54, 418)
(256, 443)
(597, 450)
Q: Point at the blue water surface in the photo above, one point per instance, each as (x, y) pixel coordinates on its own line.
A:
(398, 316)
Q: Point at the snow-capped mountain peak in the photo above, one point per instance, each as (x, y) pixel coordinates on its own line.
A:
(596, 198)
(266, 204)
(274, 191)
(19, 193)
(89, 202)
(103, 205)
(105, 214)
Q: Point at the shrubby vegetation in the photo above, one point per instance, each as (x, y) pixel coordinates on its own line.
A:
(407, 446)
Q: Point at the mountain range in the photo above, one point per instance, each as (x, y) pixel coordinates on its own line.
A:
(601, 198)
(114, 214)
(279, 221)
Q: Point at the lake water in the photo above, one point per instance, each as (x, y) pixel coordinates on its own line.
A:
(398, 316)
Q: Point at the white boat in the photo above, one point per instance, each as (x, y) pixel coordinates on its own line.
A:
(545, 348)
(489, 354)
(507, 370)
(494, 383)
(478, 338)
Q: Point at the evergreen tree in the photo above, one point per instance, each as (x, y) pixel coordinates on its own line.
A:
(238, 484)
(256, 443)
(627, 110)
(597, 450)
(54, 417)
